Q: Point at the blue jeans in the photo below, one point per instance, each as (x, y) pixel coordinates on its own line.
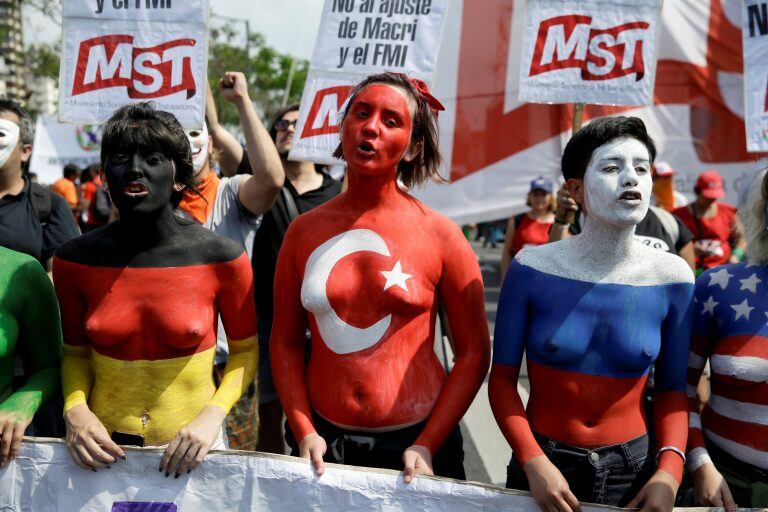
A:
(611, 475)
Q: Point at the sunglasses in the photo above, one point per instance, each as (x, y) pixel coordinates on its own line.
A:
(282, 124)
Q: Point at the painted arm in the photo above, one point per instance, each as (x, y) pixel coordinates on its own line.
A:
(670, 403)
(461, 293)
(259, 192)
(688, 254)
(88, 441)
(506, 252)
(508, 346)
(40, 349)
(230, 150)
(238, 315)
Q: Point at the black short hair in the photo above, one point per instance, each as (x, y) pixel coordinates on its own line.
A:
(71, 171)
(26, 126)
(278, 116)
(141, 124)
(578, 151)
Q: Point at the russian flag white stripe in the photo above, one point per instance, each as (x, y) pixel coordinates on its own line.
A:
(695, 362)
(752, 369)
(744, 453)
(740, 411)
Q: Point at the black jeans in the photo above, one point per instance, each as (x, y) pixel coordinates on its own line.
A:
(748, 484)
(611, 475)
(383, 449)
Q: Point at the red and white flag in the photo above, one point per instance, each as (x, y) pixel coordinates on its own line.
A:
(755, 39)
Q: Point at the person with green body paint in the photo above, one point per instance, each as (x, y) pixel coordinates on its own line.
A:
(30, 327)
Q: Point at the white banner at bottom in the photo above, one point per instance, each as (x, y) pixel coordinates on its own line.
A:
(44, 478)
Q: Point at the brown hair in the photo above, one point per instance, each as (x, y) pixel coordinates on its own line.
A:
(426, 165)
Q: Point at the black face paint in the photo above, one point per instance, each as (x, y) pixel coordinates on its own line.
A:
(140, 179)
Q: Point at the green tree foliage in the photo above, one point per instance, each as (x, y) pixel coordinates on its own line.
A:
(267, 71)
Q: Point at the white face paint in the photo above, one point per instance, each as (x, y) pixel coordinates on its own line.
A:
(9, 137)
(617, 183)
(198, 140)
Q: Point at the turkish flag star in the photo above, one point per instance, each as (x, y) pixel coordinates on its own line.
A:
(396, 276)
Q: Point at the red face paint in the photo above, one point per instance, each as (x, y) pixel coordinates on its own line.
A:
(377, 130)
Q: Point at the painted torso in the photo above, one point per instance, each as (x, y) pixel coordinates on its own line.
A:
(150, 321)
(731, 330)
(590, 339)
(370, 331)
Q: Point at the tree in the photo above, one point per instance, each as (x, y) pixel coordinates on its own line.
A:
(267, 71)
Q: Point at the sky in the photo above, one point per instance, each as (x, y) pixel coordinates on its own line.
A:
(290, 26)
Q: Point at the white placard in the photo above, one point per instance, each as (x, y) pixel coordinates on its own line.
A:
(57, 144)
(358, 38)
(591, 51)
(755, 38)
(126, 51)
(44, 478)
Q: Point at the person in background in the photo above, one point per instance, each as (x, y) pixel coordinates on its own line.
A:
(728, 441)
(530, 228)
(664, 193)
(90, 183)
(717, 231)
(33, 220)
(306, 187)
(234, 207)
(66, 187)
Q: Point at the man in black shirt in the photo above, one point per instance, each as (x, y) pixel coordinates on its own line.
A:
(33, 220)
(305, 188)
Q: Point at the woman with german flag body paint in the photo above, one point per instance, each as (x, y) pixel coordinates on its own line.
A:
(593, 314)
(139, 301)
(366, 272)
(30, 328)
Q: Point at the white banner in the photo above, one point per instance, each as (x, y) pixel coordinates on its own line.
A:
(358, 38)
(493, 144)
(119, 52)
(589, 51)
(755, 38)
(44, 478)
(57, 145)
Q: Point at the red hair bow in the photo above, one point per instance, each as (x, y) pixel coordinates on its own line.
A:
(423, 88)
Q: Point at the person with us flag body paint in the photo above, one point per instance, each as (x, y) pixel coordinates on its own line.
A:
(365, 272)
(593, 314)
(139, 302)
(728, 439)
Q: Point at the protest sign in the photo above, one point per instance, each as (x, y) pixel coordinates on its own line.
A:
(44, 478)
(589, 51)
(358, 38)
(57, 145)
(755, 39)
(119, 52)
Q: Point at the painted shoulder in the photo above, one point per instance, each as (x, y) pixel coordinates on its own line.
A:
(715, 281)
(667, 267)
(551, 258)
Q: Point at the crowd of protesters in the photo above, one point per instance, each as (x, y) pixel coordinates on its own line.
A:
(208, 298)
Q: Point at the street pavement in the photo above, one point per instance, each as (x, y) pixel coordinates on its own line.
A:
(487, 453)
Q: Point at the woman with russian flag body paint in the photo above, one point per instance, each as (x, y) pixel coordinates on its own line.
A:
(139, 303)
(593, 314)
(728, 440)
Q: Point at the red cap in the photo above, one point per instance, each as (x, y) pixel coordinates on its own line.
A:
(710, 185)
(663, 170)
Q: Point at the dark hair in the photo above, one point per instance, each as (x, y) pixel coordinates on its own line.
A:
(71, 170)
(579, 149)
(426, 165)
(140, 124)
(278, 116)
(26, 126)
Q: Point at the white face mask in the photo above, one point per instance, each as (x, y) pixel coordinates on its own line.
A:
(9, 137)
(198, 140)
(618, 182)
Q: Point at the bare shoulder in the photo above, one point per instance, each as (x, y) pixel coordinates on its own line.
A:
(663, 266)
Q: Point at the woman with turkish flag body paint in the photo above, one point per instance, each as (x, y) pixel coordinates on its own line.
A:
(593, 314)
(366, 272)
(139, 304)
